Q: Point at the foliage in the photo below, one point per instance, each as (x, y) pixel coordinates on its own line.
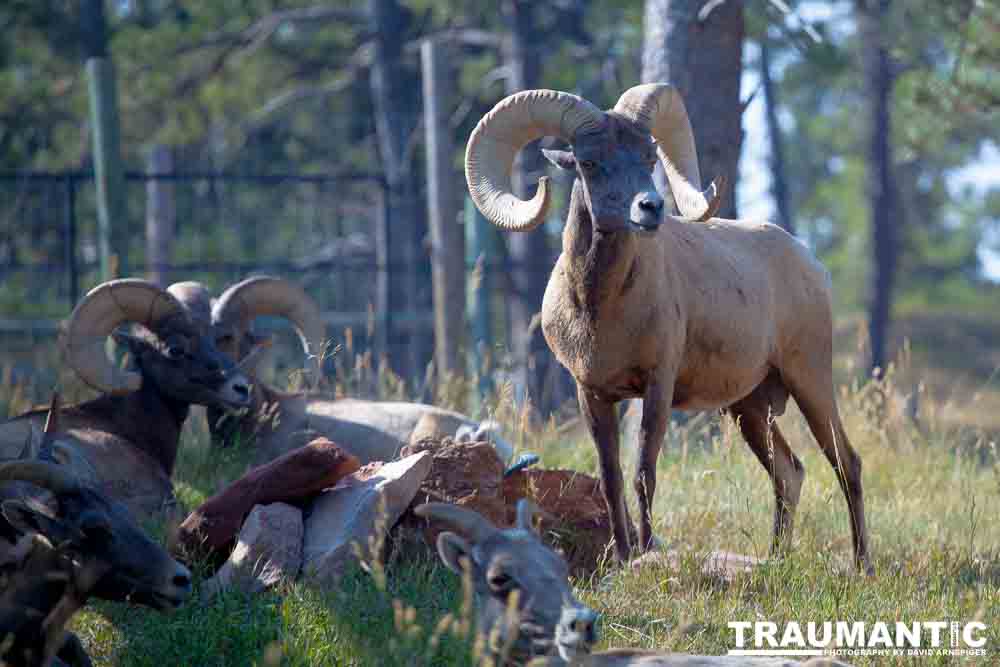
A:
(945, 110)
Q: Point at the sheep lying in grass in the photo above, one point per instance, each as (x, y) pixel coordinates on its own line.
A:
(513, 569)
(126, 440)
(370, 430)
(525, 603)
(83, 545)
(689, 312)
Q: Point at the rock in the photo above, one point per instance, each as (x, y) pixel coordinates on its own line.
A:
(359, 510)
(487, 431)
(723, 564)
(292, 478)
(469, 474)
(575, 517)
(268, 551)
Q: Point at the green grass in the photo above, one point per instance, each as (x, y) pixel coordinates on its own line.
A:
(932, 495)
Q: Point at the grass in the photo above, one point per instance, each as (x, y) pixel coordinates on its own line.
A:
(932, 494)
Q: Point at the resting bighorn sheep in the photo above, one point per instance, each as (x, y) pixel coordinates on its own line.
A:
(126, 440)
(688, 312)
(370, 430)
(83, 544)
(503, 563)
(551, 628)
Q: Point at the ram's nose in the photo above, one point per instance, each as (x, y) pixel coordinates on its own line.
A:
(577, 631)
(236, 390)
(646, 213)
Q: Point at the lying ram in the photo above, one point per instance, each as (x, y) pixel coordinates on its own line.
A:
(549, 626)
(80, 544)
(126, 440)
(371, 430)
(688, 312)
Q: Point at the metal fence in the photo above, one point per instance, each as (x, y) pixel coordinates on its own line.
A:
(318, 230)
(314, 229)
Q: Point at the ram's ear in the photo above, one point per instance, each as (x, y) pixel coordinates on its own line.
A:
(453, 550)
(561, 159)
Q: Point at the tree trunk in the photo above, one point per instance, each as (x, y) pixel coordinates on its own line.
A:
(395, 104)
(871, 15)
(447, 238)
(704, 60)
(779, 182)
(530, 254)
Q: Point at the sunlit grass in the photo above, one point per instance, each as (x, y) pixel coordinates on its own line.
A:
(932, 492)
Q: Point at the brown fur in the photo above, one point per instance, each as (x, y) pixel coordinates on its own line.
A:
(724, 314)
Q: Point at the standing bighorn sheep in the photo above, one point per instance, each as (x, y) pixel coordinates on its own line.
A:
(126, 440)
(370, 430)
(688, 312)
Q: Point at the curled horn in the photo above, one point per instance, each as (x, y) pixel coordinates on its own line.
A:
(526, 511)
(659, 108)
(501, 133)
(47, 475)
(464, 521)
(96, 316)
(266, 295)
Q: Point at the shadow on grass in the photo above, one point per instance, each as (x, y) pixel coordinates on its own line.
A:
(353, 624)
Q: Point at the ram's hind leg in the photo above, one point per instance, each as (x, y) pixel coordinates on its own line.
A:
(812, 388)
(754, 416)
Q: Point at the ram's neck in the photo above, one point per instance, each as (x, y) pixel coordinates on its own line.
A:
(147, 418)
(601, 266)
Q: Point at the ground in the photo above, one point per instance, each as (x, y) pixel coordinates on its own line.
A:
(932, 490)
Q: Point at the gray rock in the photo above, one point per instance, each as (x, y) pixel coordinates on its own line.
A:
(268, 551)
(359, 511)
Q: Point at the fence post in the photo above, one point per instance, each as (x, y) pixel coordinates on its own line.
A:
(478, 252)
(447, 244)
(108, 171)
(160, 215)
(70, 232)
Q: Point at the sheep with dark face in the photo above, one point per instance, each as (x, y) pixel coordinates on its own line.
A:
(125, 442)
(85, 545)
(512, 570)
(370, 430)
(69, 542)
(688, 312)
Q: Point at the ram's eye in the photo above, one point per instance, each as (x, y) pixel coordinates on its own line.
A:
(500, 582)
(587, 165)
(175, 352)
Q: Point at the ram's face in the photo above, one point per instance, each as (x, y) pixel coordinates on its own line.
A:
(99, 533)
(615, 170)
(523, 595)
(184, 363)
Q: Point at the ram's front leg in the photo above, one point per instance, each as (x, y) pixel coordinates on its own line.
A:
(602, 420)
(655, 417)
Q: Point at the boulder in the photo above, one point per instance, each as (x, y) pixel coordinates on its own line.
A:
(292, 478)
(469, 474)
(359, 511)
(574, 515)
(268, 551)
